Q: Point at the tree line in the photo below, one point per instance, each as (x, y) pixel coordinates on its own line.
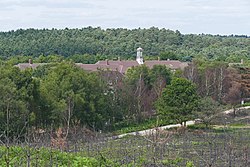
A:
(90, 44)
(62, 95)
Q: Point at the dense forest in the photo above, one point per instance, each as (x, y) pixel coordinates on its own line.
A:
(64, 95)
(90, 44)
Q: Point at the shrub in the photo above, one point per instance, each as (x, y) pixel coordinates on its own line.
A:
(21, 156)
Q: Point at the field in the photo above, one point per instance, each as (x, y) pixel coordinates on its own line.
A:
(225, 144)
(219, 147)
(191, 148)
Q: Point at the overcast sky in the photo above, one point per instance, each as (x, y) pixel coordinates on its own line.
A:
(187, 16)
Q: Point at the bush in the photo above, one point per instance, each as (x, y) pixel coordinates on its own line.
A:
(197, 127)
(21, 156)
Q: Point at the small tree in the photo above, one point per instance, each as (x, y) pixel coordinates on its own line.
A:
(233, 96)
(178, 100)
(208, 109)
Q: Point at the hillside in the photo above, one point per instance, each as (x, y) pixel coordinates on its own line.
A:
(123, 43)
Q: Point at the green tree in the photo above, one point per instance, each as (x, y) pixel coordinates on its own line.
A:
(69, 93)
(208, 109)
(168, 56)
(160, 76)
(178, 101)
(144, 86)
(138, 82)
(13, 108)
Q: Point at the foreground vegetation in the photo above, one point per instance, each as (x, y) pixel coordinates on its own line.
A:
(29, 156)
(222, 145)
(173, 148)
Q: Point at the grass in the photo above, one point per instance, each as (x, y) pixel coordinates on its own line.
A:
(245, 104)
(126, 127)
(232, 127)
(198, 127)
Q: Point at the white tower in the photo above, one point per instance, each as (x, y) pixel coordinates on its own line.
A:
(139, 58)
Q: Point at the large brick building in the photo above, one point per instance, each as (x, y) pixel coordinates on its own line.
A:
(118, 65)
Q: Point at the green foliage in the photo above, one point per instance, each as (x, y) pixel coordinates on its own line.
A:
(68, 92)
(87, 59)
(160, 72)
(17, 100)
(148, 76)
(198, 127)
(172, 162)
(208, 109)
(135, 73)
(48, 59)
(190, 164)
(144, 86)
(178, 101)
(168, 56)
(79, 43)
(52, 94)
(47, 157)
(246, 104)
(59, 94)
(126, 126)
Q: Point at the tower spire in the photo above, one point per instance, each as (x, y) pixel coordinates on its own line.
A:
(139, 57)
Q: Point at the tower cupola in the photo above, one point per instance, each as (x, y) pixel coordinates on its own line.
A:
(139, 58)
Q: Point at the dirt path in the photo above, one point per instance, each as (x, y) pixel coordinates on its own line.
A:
(231, 110)
(153, 130)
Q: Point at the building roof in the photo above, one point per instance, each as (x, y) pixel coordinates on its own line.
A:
(172, 64)
(121, 65)
(23, 66)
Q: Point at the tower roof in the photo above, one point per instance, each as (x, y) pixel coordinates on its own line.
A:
(139, 49)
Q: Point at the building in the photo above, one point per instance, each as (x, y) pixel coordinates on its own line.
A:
(120, 66)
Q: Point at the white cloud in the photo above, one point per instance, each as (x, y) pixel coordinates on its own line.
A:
(189, 16)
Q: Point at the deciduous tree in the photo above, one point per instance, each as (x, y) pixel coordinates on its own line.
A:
(178, 101)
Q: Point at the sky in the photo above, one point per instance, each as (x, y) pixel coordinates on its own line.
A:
(224, 17)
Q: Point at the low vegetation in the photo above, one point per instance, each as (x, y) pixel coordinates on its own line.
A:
(191, 147)
(25, 156)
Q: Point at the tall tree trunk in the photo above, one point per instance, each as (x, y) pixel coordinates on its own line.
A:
(139, 99)
(220, 84)
(70, 107)
(7, 133)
